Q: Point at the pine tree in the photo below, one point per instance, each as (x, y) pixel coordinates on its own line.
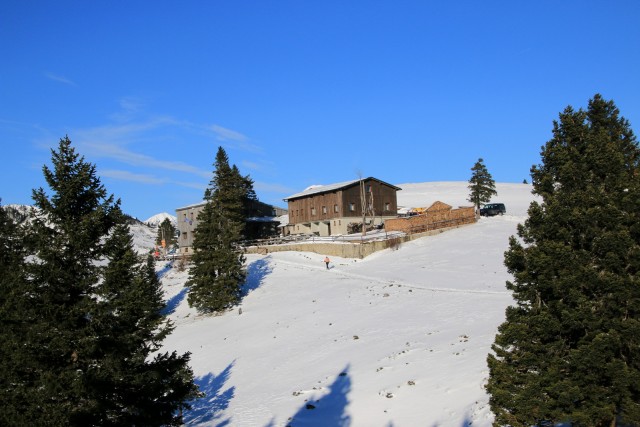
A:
(91, 313)
(217, 273)
(166, 232)
(481, 185)
(136, 385)
(248, 194)
(67, 244)
(14, 373)
(569, 349)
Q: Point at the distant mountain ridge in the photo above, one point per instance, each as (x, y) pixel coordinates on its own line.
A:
(143, 233)
(18, 213)
(157, 219)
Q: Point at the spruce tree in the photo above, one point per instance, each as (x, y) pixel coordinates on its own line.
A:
(92, 314)
(14, 372)
(569, 349)
(67, 244)
(481, 185)
(248, 194)
(217, 273)
(166, 232)
(136, 383)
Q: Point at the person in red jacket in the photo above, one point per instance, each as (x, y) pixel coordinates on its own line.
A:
(327, 261)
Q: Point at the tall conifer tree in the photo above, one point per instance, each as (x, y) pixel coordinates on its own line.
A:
(93, 317)
(166, 232)
(248, 194)
(569, 349)
(481, 184)
(67, 244)
(137, 383)
(217, 273)
(15, 316)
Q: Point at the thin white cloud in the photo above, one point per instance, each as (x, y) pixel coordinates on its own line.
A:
(224, 134)
(112, 141)
(60, 79)
(130, 107)
(196, 185)
(131, 104)
(251, 165)
(123, 133)
(234, 138)
(124, 175)
(132, 177)
(116, 152)
(272, 188)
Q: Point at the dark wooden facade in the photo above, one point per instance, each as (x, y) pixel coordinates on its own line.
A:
(344, 203)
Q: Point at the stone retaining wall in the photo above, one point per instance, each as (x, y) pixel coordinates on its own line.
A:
(346, 250)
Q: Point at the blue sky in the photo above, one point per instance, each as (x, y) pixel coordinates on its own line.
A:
(300, 92)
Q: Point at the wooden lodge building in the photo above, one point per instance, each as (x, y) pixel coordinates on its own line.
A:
(330, 209)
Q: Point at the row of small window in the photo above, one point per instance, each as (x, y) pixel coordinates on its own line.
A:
(336, 209)
(339, 222)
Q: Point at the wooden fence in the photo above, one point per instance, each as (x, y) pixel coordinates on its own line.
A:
(431, 220)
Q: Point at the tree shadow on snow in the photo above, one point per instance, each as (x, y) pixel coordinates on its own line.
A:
(165, 270)
(465, 423)
(174, 302)
(327, 410)
(256, 272)
(210, 408)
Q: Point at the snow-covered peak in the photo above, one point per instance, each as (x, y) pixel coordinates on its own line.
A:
(20, 213)
(157, 219)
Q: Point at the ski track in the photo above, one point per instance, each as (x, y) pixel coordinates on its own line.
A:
(388, 282)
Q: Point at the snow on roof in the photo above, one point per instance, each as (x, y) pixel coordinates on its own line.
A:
(317, 189)
(314, 189)
(194, 205)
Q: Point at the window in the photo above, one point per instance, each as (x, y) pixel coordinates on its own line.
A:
(336, 209)
(313, 211)
(387, 207)
(324, 209)
(352, 207)
(184, 236)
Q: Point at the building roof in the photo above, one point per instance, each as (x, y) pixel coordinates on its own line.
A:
(319, 189)
(195, 205)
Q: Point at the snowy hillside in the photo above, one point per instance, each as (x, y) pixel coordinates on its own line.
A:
(144, 238)
(144, 235)
(20, 213)
(157, 219)
(399, 338)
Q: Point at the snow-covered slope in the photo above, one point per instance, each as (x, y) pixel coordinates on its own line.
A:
(397, 339)
(157, 219)
(144, 235)
(19, 213)
(144, 238)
